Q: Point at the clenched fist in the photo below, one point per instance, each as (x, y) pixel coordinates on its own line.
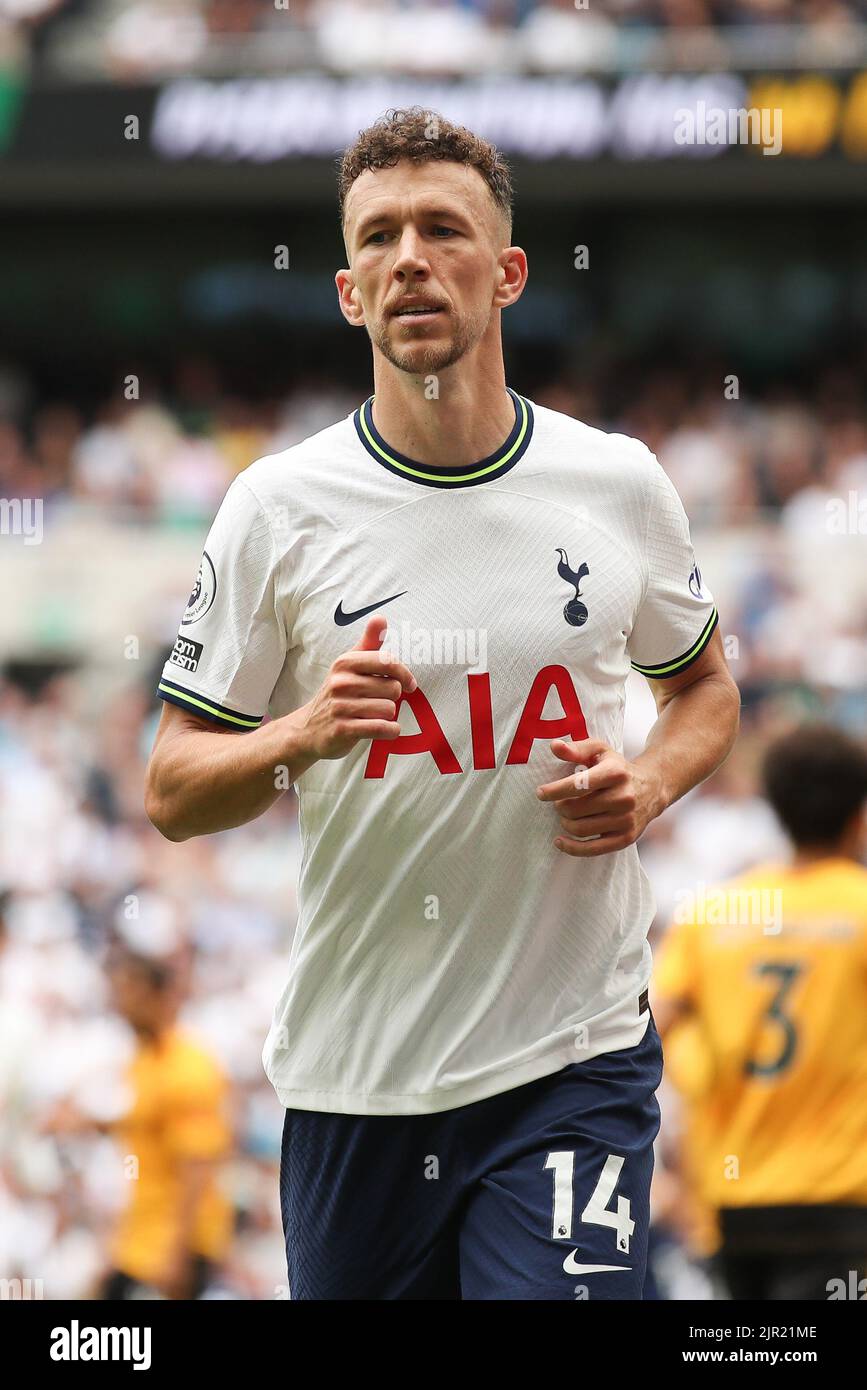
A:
(605, 804)
(359, 697)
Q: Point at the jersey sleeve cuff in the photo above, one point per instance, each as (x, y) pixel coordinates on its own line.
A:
(207, 709)
(680, 663)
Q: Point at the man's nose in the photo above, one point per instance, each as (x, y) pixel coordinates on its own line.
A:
(411, 259)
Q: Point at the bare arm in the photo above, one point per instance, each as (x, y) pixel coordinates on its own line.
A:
(696, 728)
(201, 779)
(194, 1175)
(699, 714)
(667, 1013)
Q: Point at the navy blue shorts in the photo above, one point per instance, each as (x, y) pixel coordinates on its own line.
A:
(541, 1192)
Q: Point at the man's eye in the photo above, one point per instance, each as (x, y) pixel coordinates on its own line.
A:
(446, 231)
(373, 237)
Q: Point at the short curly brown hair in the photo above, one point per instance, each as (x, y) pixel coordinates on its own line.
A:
(416, 134)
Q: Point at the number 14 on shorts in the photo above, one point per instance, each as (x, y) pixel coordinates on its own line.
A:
(597, 1211)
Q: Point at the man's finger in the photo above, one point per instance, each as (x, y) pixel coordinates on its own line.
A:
(563, 790)
(379, 664)
(609, 823)
(585, 750)
(592, 849)
(605, 773)
(371, 637)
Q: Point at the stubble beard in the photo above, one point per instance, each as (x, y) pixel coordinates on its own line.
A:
(426, 359)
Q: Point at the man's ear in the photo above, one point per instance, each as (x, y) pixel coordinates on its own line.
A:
(513, 276)
(348, 298)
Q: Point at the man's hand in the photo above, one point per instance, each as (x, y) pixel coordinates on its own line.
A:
(614, 800)
(359, 697)
(175, 1279)
(606, 797)
(202, 778)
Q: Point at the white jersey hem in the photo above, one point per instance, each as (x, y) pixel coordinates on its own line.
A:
(480, 1088)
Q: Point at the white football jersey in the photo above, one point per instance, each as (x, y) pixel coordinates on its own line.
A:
(445, 949)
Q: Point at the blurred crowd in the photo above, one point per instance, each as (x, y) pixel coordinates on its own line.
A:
(130, 39)
(81, 867)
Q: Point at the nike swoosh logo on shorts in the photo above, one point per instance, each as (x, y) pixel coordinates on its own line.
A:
(342, 619)
(572, 1268)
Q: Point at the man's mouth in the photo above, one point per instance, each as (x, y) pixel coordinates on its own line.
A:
(417, 311)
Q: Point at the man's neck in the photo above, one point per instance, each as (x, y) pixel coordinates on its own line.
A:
(155, 1031)
(470, 417)
(807, 858)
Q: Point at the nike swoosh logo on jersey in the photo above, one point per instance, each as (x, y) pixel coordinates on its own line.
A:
(572, 1268)
(342, 619)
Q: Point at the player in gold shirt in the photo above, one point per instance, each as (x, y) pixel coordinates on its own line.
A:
(177, 1225)
(762, 987)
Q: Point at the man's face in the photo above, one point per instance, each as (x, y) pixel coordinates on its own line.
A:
(426, 237)
(134, 996)
(129, 993)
